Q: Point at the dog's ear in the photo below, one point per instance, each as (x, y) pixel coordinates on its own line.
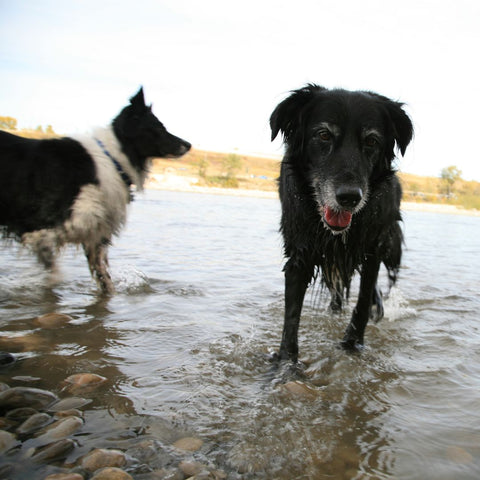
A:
(401, 124)
(287, 115)
(138, 100)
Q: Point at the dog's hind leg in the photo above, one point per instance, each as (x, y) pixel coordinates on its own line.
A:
(336, 292)
(297, 279)
(98, 264)
(44, 243)
(353, 337)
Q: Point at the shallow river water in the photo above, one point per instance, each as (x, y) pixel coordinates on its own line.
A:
(184, 346)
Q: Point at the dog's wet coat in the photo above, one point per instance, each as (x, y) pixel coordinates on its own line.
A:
(75, 190)
(340, 199)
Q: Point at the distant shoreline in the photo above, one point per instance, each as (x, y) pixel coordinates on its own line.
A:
(186, 184)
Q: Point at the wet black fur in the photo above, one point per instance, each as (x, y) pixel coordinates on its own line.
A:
(41, 182)
(320, 164)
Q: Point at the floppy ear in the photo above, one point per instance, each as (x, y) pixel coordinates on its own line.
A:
(287, 115)
(138, 100)
(401, 124)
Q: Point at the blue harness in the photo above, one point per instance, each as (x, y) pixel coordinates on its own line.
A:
(126, 179)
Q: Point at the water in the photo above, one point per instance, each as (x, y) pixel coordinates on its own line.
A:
(184, 345)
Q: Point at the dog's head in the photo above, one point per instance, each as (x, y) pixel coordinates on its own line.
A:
(143, 136)
(340, 142)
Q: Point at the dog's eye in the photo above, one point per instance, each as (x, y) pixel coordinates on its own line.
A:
(371, 141)
(323, 135)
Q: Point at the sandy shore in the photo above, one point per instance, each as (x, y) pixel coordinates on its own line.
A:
(188, 184)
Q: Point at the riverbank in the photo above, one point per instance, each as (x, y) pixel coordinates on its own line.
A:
(169, 181)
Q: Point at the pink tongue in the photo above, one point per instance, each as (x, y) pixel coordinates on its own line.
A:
(338, 219)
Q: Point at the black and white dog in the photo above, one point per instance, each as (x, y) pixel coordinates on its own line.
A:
(340, 200)
(76, 190)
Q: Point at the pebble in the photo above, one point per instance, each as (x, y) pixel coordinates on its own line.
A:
(21, 414)
(69, 403)
(43, 426)
(69, 413)
(301, 390)
(53, 451)
(25, 343)
(189, 444)
(34, 422)
(102, 457)
(7, 441)
(60, 429)
(64, 476)
(83, 382)
(191, 469)
(26, 397)
(52, 320)
(111, 473)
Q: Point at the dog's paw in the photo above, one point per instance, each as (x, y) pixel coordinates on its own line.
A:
(352, 345)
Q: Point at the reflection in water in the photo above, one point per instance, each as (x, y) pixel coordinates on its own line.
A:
(184, 346)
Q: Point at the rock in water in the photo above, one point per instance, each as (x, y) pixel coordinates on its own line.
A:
(52, 320)
(102, 457)
(17, 397)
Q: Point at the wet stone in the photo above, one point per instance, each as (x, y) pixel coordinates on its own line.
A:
(20, 414)
(35, 422)
(7, 441)
(111, 473)
(69, 404)
(101, 457)
(300, 390)
(52, 320)
(64, 476)
(17, 397)
(191, 468)
(26, 378)
(69, 413)
(83, 382)
(149, 452)
(53, 451)
(3, 387)
(60, 429)
(189, 444)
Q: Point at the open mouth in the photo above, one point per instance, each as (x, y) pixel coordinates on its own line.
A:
(337, 220)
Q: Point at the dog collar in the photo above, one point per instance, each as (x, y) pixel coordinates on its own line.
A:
(125, 177)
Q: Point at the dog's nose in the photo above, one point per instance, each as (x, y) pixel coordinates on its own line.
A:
(348, 197)
(185, 147)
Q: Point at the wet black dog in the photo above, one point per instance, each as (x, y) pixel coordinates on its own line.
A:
(76, 190)
(340, 200)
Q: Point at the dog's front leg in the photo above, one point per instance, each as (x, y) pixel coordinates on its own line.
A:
(296, 282)
(353, 337)
(98, 264)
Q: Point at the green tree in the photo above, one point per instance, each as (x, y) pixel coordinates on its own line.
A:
(8, 123)
(231, 164)
(449, 176)
(202, 167)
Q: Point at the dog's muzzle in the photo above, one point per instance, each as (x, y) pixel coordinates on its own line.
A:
(339, 218)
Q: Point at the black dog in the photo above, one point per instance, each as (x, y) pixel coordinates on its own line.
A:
(340, 200)
(68, 190)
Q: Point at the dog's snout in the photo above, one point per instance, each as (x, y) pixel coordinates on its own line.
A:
(348, 197)
(185, 147)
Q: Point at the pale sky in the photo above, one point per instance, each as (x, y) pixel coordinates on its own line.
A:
(214, 70)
